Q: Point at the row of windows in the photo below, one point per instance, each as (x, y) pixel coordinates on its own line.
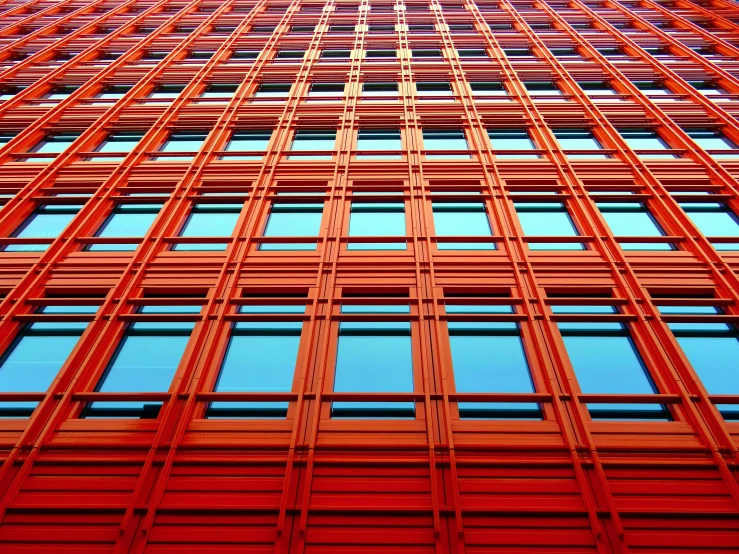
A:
(435, 90)
(373, 356)
(508, 144)
(387, 53)
(385, 220)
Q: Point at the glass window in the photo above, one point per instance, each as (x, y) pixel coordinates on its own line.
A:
(57, 95)
(445, 139)
(166, 92)
(517, 52)
(489, 357)
(335, 55)
(248, 141)
(33, 360)
(326, 90)
(209, 220)
(273, 90)
(313, 141)
(633, 219)
(293, 220)
(545, 90)
(578, 139)
(377, 220)
(504, 140)
(596, 89)
(52, 144)
(644, 142)
(374, 357)
(712, 140)
(426, 53)
(245, 54)
(713, 91)
(379, 139)
(126, 220)
(380, 89)
(714, 219)
(146, 361)
(462, 219)
(434, 91)
(481, 90)
(261, 357)
(186, 142)
(472, 53)
(547, 219)
(606, 361)
(113, 92)
(712, 349)
(656, 91)
(382, 55)
(47, 221)
(118, 143)
(219, 93)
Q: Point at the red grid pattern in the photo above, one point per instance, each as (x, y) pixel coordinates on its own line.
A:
(310, 483)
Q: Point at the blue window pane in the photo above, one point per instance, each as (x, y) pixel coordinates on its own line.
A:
(558, 309)
(490, 360)
(709, 310)
(633, 220)
(293, 220)
(608, 363)
(52, 144)
(643, 139)
(377, 220)
(46, 222)
(511, 139)
(445, 139)
(248, 141)
(365, 309)
(714, 220)
(273, 309)
(258, 360)
(547, 219)
(129, 220)
(69, 309)
(313, 141)
(376, 139)
(118, 143)
(479, 309)
(31, 363)
(144, 362)
(712, 350)
(207, 221)
(578, 139)
(462, 219)
(183, 141)
(374, 358)
(713, 140)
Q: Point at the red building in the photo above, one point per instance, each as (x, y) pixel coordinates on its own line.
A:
(369, 276)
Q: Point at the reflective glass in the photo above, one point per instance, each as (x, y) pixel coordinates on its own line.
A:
(377, 220)
(462, 219)
(544, 219)
(127, 220)
(260, 358)
(209, 220)
(293, 220)
(489, 357)
(374, 357)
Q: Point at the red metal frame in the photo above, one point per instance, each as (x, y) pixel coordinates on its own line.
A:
(311, 483)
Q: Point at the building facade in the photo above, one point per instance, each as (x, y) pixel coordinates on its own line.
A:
(360, 276)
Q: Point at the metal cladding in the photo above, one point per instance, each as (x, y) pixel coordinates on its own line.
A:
(423, 170)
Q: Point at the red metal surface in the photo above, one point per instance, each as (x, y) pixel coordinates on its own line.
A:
(312, 484)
